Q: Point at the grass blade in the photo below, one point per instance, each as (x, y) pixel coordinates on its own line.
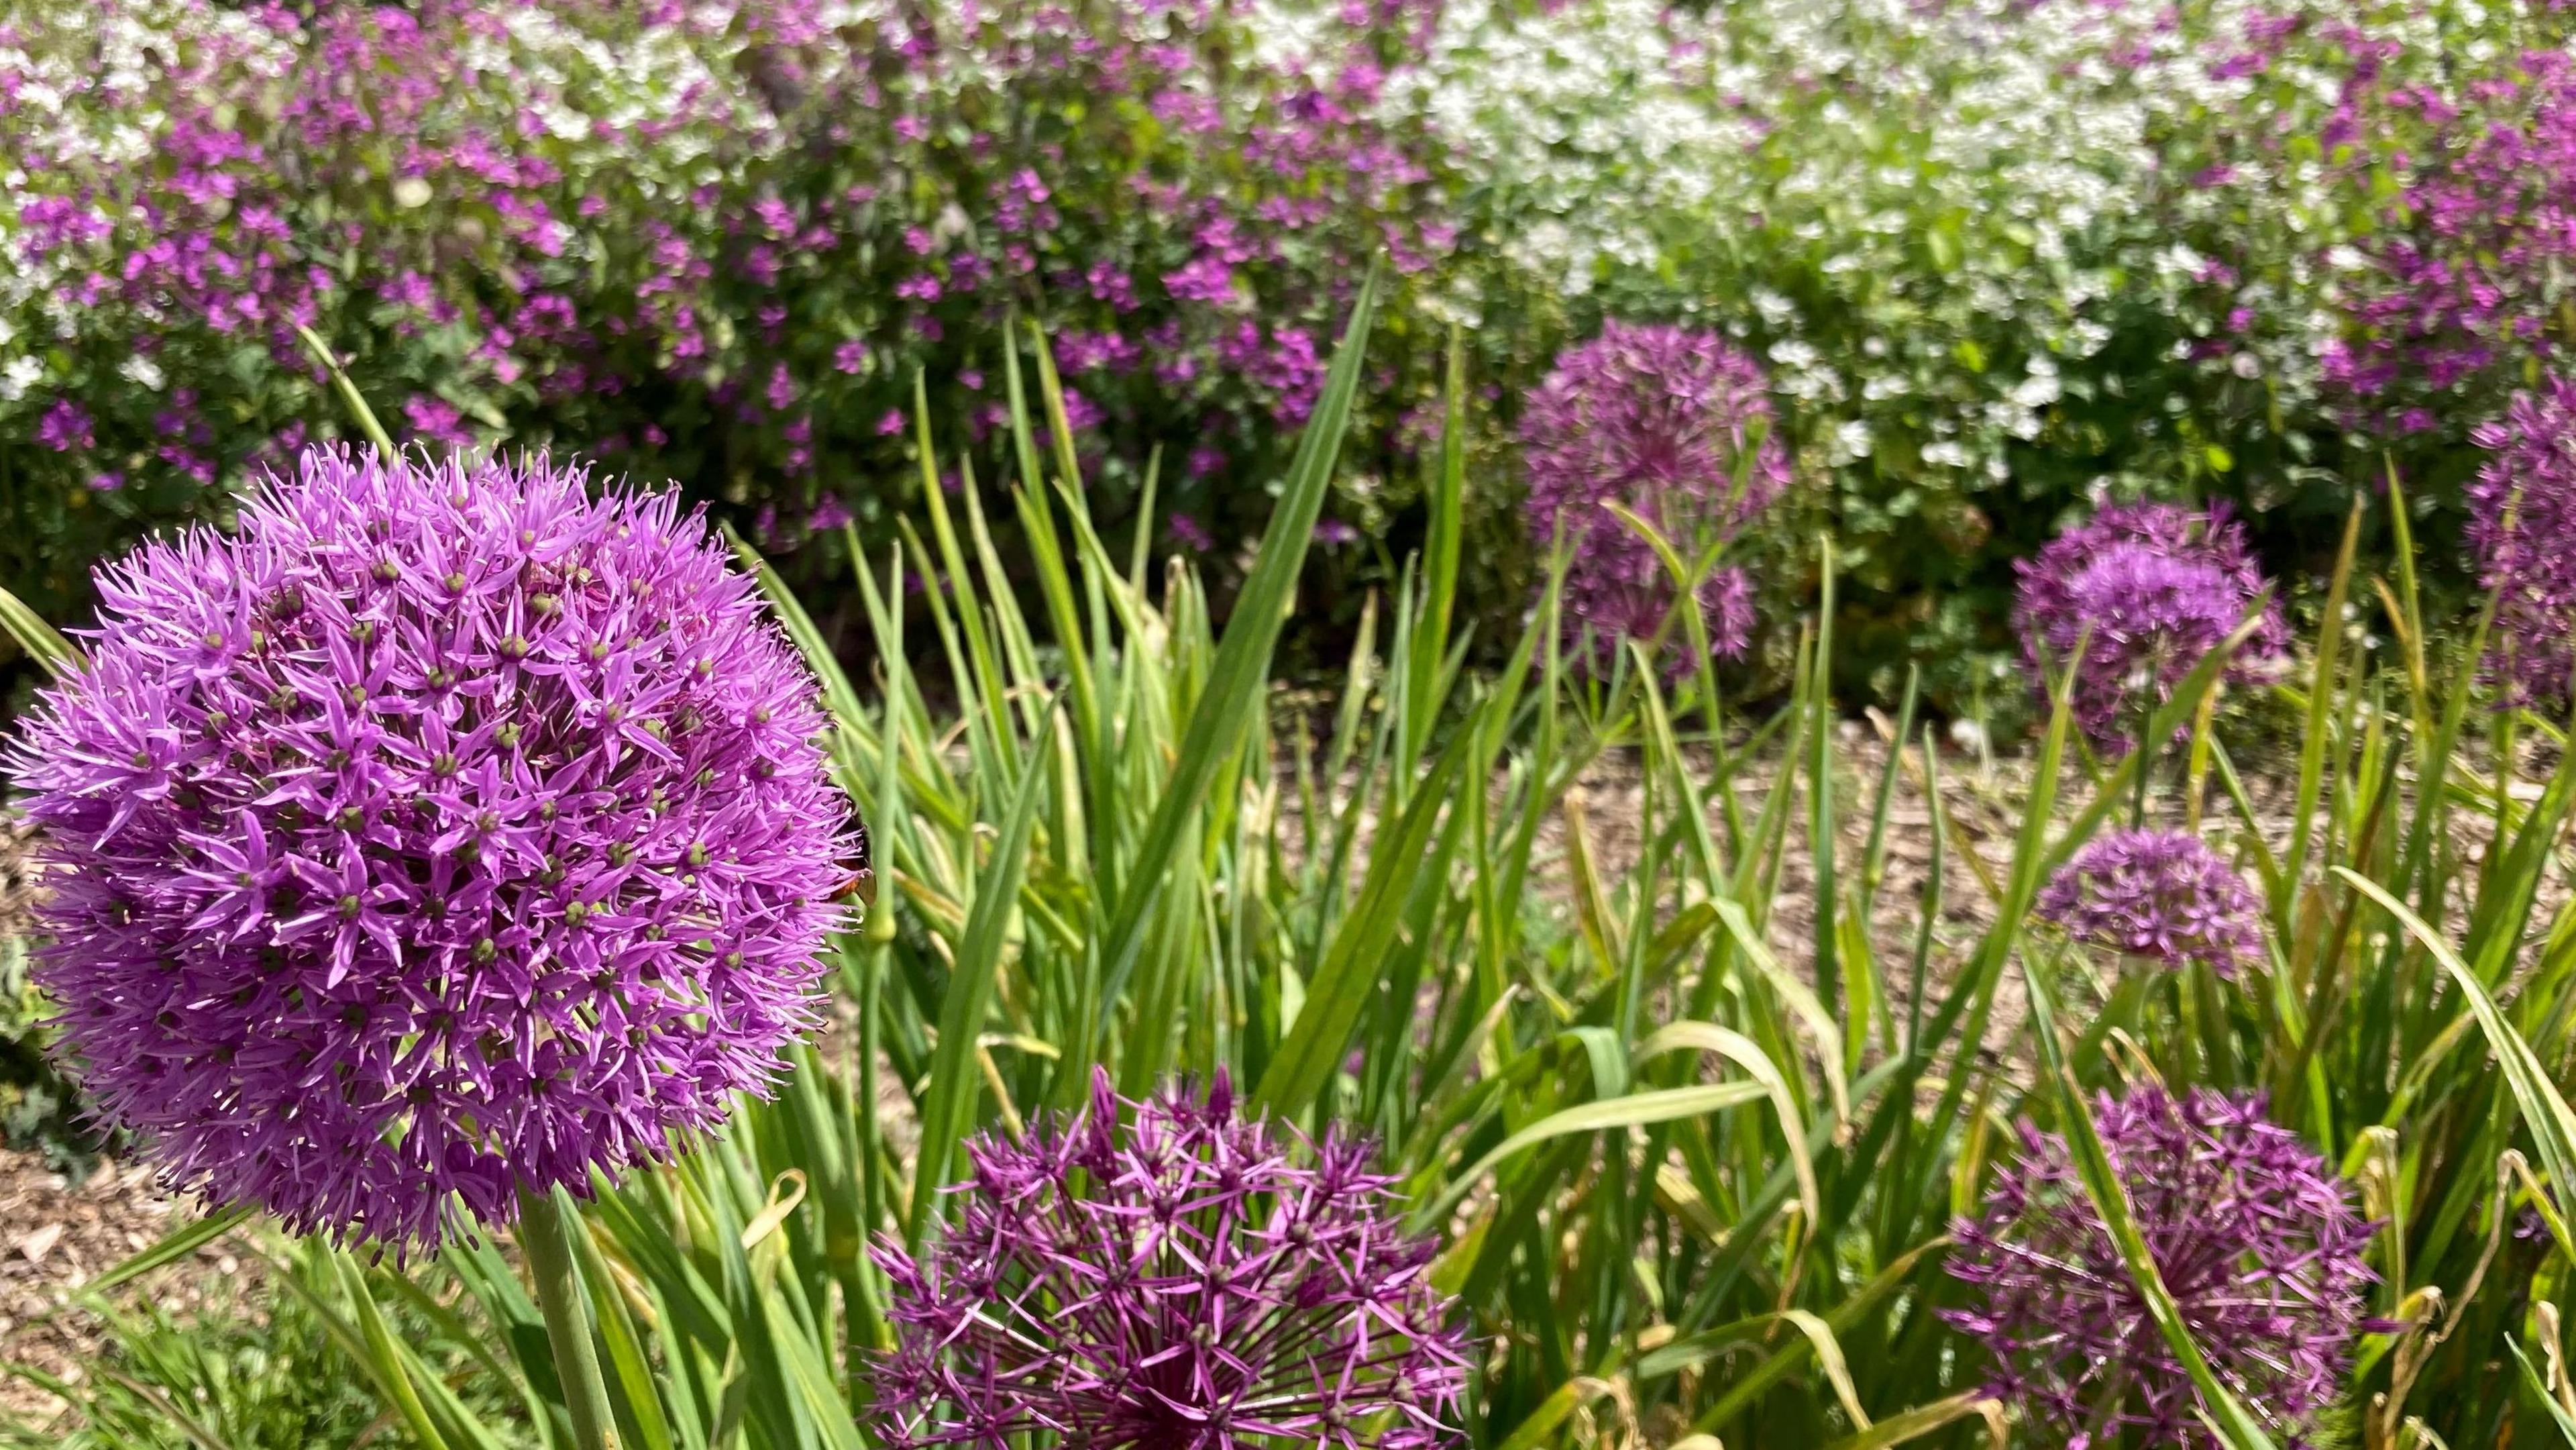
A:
(954, 1072)
(1237, 683)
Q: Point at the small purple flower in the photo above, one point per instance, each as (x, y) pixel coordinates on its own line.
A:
(66, 426)
(437, 420)
(1674, 425)
(1333, 533)
(1192, 534)
(850, 357)
(2253, 1234)
(2147, 590)
(2161, 895)
(1182, 1280)
(829, 514)
(1205, 279)
(2522, 527)
(442, 830)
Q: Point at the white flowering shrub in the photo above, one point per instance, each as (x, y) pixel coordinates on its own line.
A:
(2003, 256)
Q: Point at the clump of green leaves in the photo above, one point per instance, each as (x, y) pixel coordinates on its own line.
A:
(1693, 1117)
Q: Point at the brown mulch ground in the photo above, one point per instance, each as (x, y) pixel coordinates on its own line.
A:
(56, 1235)
(53, 1239)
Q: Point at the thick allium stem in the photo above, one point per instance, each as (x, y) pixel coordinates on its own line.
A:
(548, 1246)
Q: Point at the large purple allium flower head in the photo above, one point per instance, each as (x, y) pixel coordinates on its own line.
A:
(1167, 1275)
(1674, 425)
(2147, 590)
(2522, 526)
(2253, 1234)
(443, 830)
(2161, 895)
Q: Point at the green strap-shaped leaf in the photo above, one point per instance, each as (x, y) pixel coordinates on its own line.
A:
(949, 1099)
(1747, 1054)
(2553, 1125)
(1237, 680)
(1347, 980)
(2539, 1388)
(1664, 1105)
(1922, 1420)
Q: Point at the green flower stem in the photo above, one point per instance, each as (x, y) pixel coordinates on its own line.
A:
(559, 1296)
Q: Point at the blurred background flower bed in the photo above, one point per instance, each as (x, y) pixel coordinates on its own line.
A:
(1987, 263)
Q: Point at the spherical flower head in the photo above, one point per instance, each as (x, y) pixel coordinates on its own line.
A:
(442, 830)
(2159, 895)
(2252, 1233)
(1674, 425)
(2145, 591)
(2522, 528)
(1167, 1275)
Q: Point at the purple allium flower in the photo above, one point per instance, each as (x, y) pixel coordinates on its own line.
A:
(2162, 895)
(2253, 1234)
(2522, 525)
(1660, 421)
(1183, 1280)
(2148, 589)
(441, 830)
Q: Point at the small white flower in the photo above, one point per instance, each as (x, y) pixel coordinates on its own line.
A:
(21, 374)
(1796, 354)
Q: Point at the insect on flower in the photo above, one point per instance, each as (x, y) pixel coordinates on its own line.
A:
(861, 885)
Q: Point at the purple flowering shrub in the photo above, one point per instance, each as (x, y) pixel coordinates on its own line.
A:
(1676, 426)
(2522, 533)
(2145, 591)
(2465, 281)
(1169, 1275)
(714, 242)
(442, 830)
(2252, 1232)
(2163, 896)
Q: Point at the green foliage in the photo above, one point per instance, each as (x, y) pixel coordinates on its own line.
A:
(1688, 1188)
(256, 1366)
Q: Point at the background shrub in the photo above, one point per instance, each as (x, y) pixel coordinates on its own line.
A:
(2002, 260)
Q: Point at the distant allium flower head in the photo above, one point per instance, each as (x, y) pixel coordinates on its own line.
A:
(1182, 1280)
(1662, 421)
(2163, 895)
(441, 829)
(2148, 590)
(2522, 525)
(2253, 1234)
